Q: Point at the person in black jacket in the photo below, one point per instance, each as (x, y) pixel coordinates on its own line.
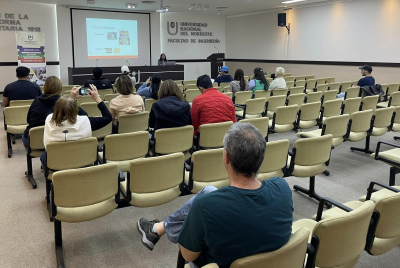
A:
(98, 80)
(43, 105)
(170, 110)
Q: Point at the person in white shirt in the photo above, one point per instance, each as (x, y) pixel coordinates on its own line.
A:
(279, 81)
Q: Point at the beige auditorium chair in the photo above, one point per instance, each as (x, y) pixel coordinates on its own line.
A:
(133, 122)
(273, 103)
(190, 94)
(296, 99)
(181, 87)
(310, 87)
(300, 83)
(351, 92)
(154, 181)
(269, 79)
(253, 108)
(173, 140)
(289, 84)
(229, 94)
(396, 122)
(215, 85)
(360, 124)
(392, 88)
(123, 148)
(390, 157)
(211, 136)
(15, 123)
(223, 89)
(287, 74)
(322, 87)
(300, 77)
(260, 123)
(284, 119)
(224, 84)
(296, 90)
(384, 89)
(279, 92)
(321, 81)
(311, 76)
(308, 115)
(206, 168)
(334, 86)
(330, 80)
(109, 97)
(66, 88)
(21, 103)
(289, 78)
(91, 108)
(34, 149)
(275, 159)
(104, 92)
(394, 100)
(84, 99)
(178, 82)
(330, 108)
(309, 158)
(369, 103)
(241, 97)
(262, 94)
(341, 239)
(148, 103)
(314, 97)
(80, 195)
(380, 124)
(345, 86)
(188, 82)
(351, 105)
(329, 95)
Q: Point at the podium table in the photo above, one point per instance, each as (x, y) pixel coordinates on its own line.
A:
(217, 61)
(79, 75)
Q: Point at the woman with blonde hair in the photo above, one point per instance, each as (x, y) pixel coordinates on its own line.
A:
(127, 102)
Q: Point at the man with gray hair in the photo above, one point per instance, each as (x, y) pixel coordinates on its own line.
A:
(279, 81)
(245, 218)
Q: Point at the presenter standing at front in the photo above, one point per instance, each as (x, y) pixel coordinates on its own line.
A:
(163, 60)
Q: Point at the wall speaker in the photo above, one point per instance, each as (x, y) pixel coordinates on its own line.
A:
(282, 19)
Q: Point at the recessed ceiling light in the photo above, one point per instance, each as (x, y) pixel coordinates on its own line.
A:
(205, 8)
(192, 6)
(292, 1)
(198, 7)
(131, 5)
(167, 9)
(91, 2)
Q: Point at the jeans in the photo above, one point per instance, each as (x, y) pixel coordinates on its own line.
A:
(173, 224)
(24, 140)
(340, 95)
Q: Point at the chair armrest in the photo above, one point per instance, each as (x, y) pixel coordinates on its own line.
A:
(378, 146)
(187, 167)
(121, 175)
(239, 106)
(99, 148)
(312, 249)
(330, 201)
(53, 208)
(371, 189)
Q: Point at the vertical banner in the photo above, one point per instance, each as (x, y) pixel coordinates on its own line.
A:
(31, 54)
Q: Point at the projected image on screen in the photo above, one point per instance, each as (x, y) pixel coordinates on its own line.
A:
(111, 39)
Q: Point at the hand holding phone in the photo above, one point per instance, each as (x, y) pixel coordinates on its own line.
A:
(83, 91)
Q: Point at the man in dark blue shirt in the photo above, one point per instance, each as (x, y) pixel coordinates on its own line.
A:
(98, 80)
(368, 80)
(224, 76)
(243, 219)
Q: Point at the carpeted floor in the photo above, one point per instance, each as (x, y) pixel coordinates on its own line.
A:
(27, 239)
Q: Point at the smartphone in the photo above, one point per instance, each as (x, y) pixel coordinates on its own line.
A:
(83, 91)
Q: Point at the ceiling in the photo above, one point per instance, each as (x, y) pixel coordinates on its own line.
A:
(233, 6)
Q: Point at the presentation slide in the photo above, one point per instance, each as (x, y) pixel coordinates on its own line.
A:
(111, 39)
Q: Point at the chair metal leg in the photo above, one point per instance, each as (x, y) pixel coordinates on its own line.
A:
(9, 145)
(366, 149)
(392, 178)
(29, 173)
(13, 139)
(327, 173)
(397, 138)
(58, 244)
(311, 192)
(48, 190)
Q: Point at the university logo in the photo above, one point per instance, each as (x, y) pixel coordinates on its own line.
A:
(30, 37)
(172, 26)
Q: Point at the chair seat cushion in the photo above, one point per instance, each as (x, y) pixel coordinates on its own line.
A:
(337, 212)
(357, 136)
(251, 116)
(375, 197)
(396, 127)
(307, 124)
(393, 154)
(310, 134)
(239, 113)
(306, 171)
(16, 129)
(379, 131)
(383, 104)
(304, 223)
(382, 246)
(280, 128)
(86, 213)
(123, 165)
(269, 175)
(270, 114)
(198, 185)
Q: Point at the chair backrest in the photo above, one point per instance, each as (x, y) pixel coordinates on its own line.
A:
(215, 84)
(173, 140)
(262, 94)
(279, 92)
(389, 220)
(314, 97)
(384, 88)
(84, 99)
(188, 82)
(352, 92)
(181, 87)
(322, 87)
(290, 84)
(342, 239)
(346, 85)
(275, 157)
(351, 105)
(208, 169)
(361, 121)
(242, 96)
(212, 135)
(190, 94)
(311, 76)
(330, 80)
(337, 125)
(296, 90)
(289, 78)
(332, 108)
(334, 86)
(63, 155)
(260, 123)
(178, 82)
(86, 186)
(300, 77)
(287, 74)
(269, 79)
(330, 95)
(370, 102)
(310, 111)
(102, 132)
(321, 81)
(191, 86)
(297, 99)
(109, 97)
(383, 117)
(229, 94)
(66, 88)
(221, 89)
(148, 103)
(255, 106)
(16, 115)
(300, 83)
(313, 151)
(291, 255)
(21, 103)
(276, 101)
(393, 88)
(395, 99)
(224, 84)
(133, 122)
(91, 108)
(36, 138)
(286, 114)
(104, 92)
(127, 146)
(311, 84)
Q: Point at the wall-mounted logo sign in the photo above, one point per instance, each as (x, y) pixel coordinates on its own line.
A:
(172, 25)
(194, 30)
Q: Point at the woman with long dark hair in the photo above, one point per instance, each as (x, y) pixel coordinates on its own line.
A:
(238, 83)
(163, 60)
(259, 82)
(151, 87)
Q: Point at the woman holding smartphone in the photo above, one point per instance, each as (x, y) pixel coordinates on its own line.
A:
(150, 89)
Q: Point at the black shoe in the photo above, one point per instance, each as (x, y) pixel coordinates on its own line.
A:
(149, 239)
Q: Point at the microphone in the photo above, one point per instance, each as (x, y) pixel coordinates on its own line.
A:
(128, 63)
(97, 60)
(217, 49)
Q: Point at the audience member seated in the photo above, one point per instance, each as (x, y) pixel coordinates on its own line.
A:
(367, 79)
(126, 102)
(64, 124)
(163, 60)
(259, 82)
(125, 71)
(224, 76)
(22, 89)
(245, 218)
(171, 110)
(279, 81)
(98, 81)
(43, 105)
(151, 87)
(238, 83)
(211, 106)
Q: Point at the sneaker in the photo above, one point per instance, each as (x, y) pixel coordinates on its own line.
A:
(149, 239)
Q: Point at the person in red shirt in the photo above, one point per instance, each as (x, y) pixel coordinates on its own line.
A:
(211, 106)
